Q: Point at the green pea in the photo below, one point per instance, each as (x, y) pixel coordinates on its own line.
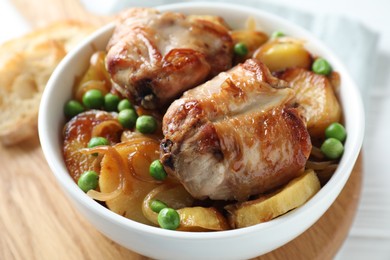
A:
(277, 34)
(146, 124)
(157, 171)
(240, 49)
(168, 218)
(73, 108)
(157, 205)
(93, 99)
(332, 148)
(127, 118)
(124, 104)
(88, 181)
(336, 130)
(321, 66)
(111, 102)
(96, 141)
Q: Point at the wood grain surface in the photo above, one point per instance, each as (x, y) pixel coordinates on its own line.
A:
(37, 221)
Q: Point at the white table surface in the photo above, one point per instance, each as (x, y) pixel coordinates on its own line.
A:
(369, 237)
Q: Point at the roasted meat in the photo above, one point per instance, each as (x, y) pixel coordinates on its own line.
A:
(237, 135)
(154, 57)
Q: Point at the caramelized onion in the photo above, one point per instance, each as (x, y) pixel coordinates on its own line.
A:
(172, 194)
(91, 84)
(316, 153)
(109, 126)
(325, 174)
(107, 151)
(104, 196)
(135, 156)
(250, 24)
(319, 165)
(146, 210)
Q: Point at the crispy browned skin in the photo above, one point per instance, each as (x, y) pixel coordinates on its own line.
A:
(236, 135)
(154, 57)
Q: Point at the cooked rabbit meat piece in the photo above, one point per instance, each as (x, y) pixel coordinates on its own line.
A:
(235, 136)
(154, 57)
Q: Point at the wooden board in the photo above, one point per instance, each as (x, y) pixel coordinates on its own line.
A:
(38, 222)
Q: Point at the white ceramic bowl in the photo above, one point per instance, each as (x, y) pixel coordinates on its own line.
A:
(164, 244)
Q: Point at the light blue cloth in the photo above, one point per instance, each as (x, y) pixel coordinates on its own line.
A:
(352, 42)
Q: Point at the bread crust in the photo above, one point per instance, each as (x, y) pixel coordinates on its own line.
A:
(26, 64)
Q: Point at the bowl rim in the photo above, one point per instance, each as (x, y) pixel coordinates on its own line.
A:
(334, 184)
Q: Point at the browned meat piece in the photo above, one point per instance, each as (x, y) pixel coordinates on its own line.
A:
(236, 135)
(154, 57)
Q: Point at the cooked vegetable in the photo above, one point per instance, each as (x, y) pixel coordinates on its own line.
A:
(282, 53)
(146, 124)
(251, 39)
(111, 102)
(336, 130)
(93, 98)
(88, 181)
(127, 117)
(78, 132)
(124, 176)
(124, 104)
(95, 141)
(267, 207)
(198, 219)
(332, 148)
(315, 94)
(157, 171)
(152, 164)
(157, 205)
(96, 77)
(277, 34)
(73, 108)
(321, 66)
(168, 218)
(240, 49)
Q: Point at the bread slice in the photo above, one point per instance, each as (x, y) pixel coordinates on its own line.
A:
(26, 64)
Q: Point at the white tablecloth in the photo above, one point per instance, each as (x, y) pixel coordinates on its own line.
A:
(369, 237)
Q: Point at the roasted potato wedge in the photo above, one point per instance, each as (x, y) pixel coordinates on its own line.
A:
(316, 95)
(200, 219)
(252, 39)
(282, 53)
(265, 208)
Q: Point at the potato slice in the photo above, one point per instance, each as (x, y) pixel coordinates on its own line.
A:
(293, 195)
(198, 219)
(252, 39)
(136, 184)
(316, 95)
(172, 194)
(283, 53)
(77, 133)
(195, 219)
